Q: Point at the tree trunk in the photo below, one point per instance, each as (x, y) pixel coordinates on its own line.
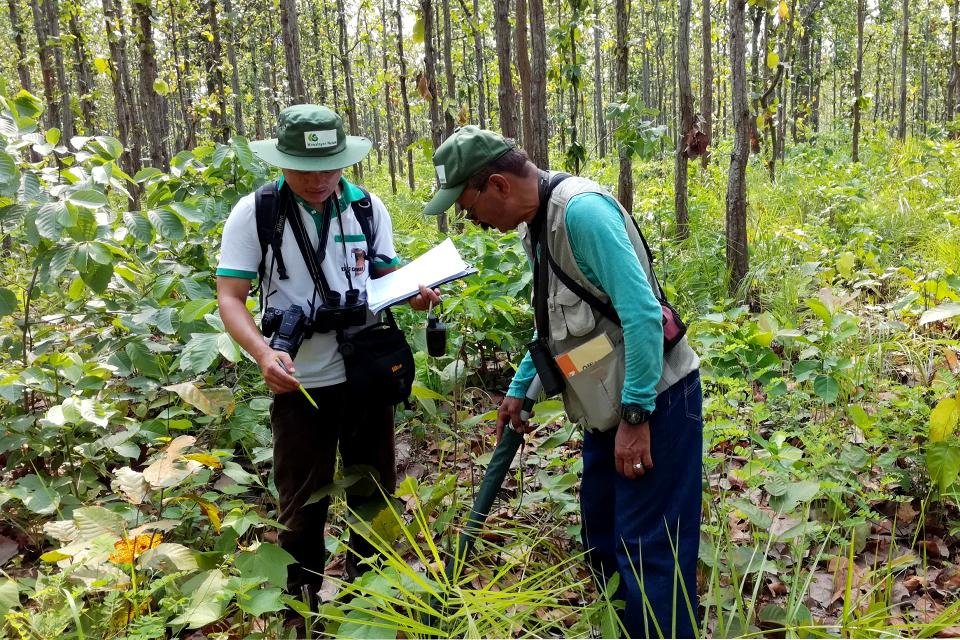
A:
(598, 110)
(706, 102)
(387, 81)
(155, 121)
(23, 66)
(505, 91)
(736, 200)
(289, 23)
(538, 145)
(317, 40)
(622, 61)
(258, 86)
(905, 45)
(953, 85)
(351, 106)
(686, 121)
(857, 80)
(184, 92)
(85, 83)
(237, 97)
(524, 72)
(123, 100)
(450, 91)
(408, 129)
(215, 87)
(430, 79)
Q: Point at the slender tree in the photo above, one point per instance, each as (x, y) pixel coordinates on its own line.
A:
(82, 65)
(154, 110)
(408, 129)
(952, 94)
(23, 65)
(622, 61)
(388, 94)
(289, 22)
(450, 84)
(858, 80)
(706, 101)
(123, 99)
(736, 200)
(524, 72)
(537, 146)
(598, 110)
(236, 95)
(214, 73)
(685, 129)
(905, 47)
(505, 90)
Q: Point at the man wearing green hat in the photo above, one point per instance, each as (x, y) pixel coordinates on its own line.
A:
(330, 214)
(626, 371)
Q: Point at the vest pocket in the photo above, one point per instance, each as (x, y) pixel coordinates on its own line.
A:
(592, 396)
(570, 315)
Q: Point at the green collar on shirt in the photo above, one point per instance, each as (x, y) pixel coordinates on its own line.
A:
(349, 193)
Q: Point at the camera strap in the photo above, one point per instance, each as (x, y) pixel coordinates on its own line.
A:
(311, 258)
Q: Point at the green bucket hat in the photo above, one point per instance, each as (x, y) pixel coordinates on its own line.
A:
(311, 138)
(468, 150)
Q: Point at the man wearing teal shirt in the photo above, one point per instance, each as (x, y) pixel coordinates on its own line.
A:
(312, 149)
(638, 400)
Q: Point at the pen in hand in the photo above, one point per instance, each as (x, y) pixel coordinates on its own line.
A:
(300, 386)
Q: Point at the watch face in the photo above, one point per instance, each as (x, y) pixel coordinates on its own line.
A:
(635, 416)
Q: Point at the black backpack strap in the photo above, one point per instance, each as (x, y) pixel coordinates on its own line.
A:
(270, 223)
(363, 209)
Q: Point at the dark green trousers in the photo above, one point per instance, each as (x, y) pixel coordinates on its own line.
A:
(305, 444)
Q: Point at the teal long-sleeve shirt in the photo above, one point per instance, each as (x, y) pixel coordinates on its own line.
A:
(606, 257)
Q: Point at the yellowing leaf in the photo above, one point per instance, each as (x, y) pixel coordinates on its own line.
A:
(845, 263)
(54, 556)
(206, 459)
(773, 59)
(213, 402)
(943, 419)
(783, 11)
(168, 471)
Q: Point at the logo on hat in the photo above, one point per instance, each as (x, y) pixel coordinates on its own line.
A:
(442, 175)
(320, 139)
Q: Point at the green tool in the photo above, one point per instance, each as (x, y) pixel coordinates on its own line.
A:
(300, 386)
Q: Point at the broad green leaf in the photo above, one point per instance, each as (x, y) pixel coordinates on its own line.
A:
(36, 495)
(798, 492)
(200, 352)
(97, 276)
(196, 309)
(208, 599)
(419, 391)
(362, 624)
(940, 312)
(757, 517)
(860, 417)
(96, 521)
(219, 155)
(144, 360)
(9, 596)
(89, 198)
(138, 226)
(773, 59)
(242, 149)
(60, 259)
(213, 402)
(8, 302)
(944, 418)
(168, 224)
(261, 601)
(845, 263)
(820, 309)
(418, 29)
(9, 176)
(228, 347)
(161, 87)
(147, 173)
(827, 388)
(266, 561)
(46, 220)
(943, 463)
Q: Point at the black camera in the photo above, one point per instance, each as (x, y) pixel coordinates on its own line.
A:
(288, 328)
(336, 314)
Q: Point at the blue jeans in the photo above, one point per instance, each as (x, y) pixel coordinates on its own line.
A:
(648, 529)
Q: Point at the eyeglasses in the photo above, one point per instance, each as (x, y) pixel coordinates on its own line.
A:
(469, 210)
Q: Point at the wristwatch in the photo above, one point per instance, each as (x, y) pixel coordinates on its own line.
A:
(634, 414)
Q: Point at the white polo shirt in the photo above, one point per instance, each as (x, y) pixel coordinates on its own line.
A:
(318, 362)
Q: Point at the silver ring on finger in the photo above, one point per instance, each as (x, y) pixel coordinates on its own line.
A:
(638, 466)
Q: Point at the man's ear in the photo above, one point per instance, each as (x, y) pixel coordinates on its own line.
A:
(500, 183)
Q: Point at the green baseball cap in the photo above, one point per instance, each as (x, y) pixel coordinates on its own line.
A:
(311, 137)
(468, 150)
